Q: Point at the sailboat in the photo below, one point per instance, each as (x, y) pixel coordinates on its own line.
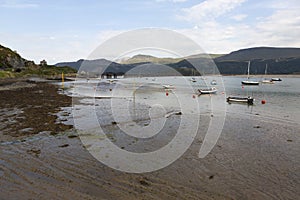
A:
(214, 82)
(267, 81)
(193, 79)
(249, 82)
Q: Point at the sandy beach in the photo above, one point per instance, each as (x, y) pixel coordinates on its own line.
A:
(42, 158)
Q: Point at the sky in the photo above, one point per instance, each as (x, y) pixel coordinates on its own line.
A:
(68, 30)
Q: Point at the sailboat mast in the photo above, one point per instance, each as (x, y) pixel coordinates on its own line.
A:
(248, 69)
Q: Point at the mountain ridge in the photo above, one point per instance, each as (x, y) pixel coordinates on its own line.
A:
(279, 59)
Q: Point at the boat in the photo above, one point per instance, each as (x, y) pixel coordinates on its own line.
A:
(213, 82)
(276, 79)
(267, 81)
(212, 90)
(168, 87)
(235, 99)
(248, 81)
(193, 80)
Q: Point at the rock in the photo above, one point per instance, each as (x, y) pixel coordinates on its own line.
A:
(144, 181)
(72, 136)
(64, 145)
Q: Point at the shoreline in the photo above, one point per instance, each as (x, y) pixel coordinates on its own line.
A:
(265, 76)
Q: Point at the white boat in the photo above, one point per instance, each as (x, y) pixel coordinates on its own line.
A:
(235, 99)
(213, 82)
(193, 80)
(248, 81)
(267, 81)
(168, 86)
(212, 90)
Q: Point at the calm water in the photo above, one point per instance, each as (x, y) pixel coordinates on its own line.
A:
(282, 98)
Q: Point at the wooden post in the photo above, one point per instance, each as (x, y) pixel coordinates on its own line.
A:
(62, 80)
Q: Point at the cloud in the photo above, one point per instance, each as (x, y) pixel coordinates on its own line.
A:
(239, 17)
(282, 25)
(219, 30)
(173, 1)
(209, 10)
(17, 5)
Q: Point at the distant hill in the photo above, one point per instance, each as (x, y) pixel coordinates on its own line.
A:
(92, 65)
(97, 66)
(261, 53)
(279, 60)
(147, 59)
(152, 59)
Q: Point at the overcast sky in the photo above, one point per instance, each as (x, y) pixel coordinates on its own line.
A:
(68, 30)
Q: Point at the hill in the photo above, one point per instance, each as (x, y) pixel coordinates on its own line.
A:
(261, 53)
(13, 65)
(279, 60)
(147, 59)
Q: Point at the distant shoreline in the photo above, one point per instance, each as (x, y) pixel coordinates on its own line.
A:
(266, 76)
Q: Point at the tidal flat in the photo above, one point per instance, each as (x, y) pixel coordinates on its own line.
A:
(255, 157)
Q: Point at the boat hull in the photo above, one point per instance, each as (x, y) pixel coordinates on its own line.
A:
(267, 82)
(208, 91)
(247, 100)
(250, 83)
(276, 79)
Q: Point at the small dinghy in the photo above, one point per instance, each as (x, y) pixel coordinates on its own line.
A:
(212, 90)
(234, 99)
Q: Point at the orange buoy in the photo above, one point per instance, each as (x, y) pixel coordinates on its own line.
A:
(263, 101)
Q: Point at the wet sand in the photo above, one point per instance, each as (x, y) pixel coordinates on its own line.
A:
(254, 158)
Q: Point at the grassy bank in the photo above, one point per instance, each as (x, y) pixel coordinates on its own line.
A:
(39, 71)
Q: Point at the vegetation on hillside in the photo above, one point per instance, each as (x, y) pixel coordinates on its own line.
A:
(13, 65)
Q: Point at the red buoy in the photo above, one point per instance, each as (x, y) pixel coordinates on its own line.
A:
(194, 96)
(263, 101)
(167, 93)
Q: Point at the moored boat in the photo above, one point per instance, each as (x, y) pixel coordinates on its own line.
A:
(248, 81)
(212, 90)
(235, 99)
(267, 81)
(276, 79)
(213, 82)
(168, 86)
